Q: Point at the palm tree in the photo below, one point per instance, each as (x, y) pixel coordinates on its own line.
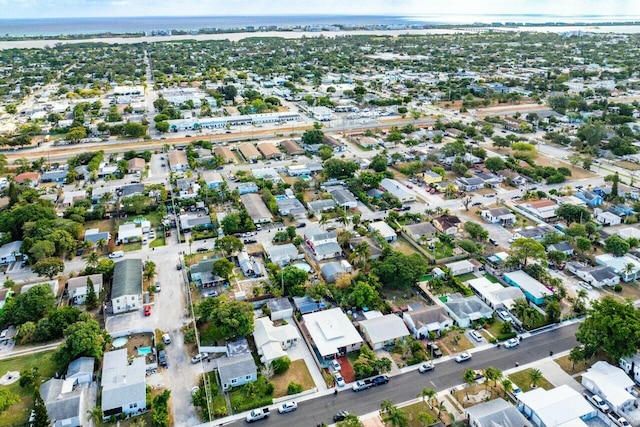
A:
(101, 244)
(362, 253)
(535, 376)
(507, 385)
(386, 406)
(469, 377)
(396, 418)
(628, 269)
(93, 259)
(343, 219)
(95, 415)
(493, 374)
(427, 392)
(267, 371)
(323, 220)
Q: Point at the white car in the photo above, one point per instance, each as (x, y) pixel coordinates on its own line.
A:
(198, 357)
(335, 365)
(513, 342)
(463, 357)
(621, 421)
(599, 403)
(289, 406)
(166, 339)
(426, 367)
(339, 380)
(476, 336)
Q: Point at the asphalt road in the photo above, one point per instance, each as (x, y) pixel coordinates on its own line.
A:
(407, 386)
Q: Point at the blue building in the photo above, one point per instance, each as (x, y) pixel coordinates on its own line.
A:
(247, 187)
(590, 198)
(535, 291)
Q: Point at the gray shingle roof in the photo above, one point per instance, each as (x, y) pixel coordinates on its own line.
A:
(235, 367)
(127, 278)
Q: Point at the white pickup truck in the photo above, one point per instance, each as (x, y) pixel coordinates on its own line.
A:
(257, 414)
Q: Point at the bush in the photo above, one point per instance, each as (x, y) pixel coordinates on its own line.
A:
(506, 336)
(280, 365)
(294, 388)
(617, 288)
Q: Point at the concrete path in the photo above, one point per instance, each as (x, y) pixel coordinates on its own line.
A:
(301, 351)
(556, 376)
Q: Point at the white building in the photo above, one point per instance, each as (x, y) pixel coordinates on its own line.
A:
(321, 114)
(627, 267)
(10, 252)
(273, 341)
(126, 288)
(382, 330)
(610, 383)
(77, 287)
(398, 190)
(124, 388)
(460, 267)
(494, 294)
(385, 230)
(557, 407)
(332, 333)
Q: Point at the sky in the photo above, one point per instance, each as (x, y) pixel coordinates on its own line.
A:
(114, 8)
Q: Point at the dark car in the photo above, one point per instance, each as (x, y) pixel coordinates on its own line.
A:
(301, 225)
(162, 358)
(434, 349)
(202, 249)
(340, 416)
(477, 204)
(248, 241)
(178, 266)
(379, 380)
(219, 168)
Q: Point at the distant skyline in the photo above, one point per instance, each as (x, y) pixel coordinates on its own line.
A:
(12, 9)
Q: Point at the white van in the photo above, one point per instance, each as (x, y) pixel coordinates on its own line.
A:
(116, 254)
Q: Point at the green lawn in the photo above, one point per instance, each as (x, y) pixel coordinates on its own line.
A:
(414, 410)
(523, 380)
(490, 278)
(250, 396)
(129, 247)
(467, 276)
(19, 413)
(298, 373)
(440, 250)
(157, 242)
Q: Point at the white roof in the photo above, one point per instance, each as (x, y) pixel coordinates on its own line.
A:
(268, 337)
(557, 406)
(529, 284)
(397, 189)
(383, 228)
(331, 330)
(384, 328)
(460, 265)
(628, 232)
(611, 381)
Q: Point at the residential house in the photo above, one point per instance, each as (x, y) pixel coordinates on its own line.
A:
(69, 197)
(55, 175)
(570, 200)
(10, 252)
(535, 233)
(612, 384)
(560, 406)
(249, 265)
(385, 230)
(77, 287)
(249, 152)
(590, 198)
(273, 341)
(94, 235)
(332, 334)
(80, 370)
(489, 179)
(464, 310)
(420, 231)
(197, 221)
(213, 180)
(188, 188)
(292, 148)
(564, 247)
(247, 188)
(447, 224)
(400, 191)
(268, 174)
(136, 165)
(225, 153)
(495, 413)
(469, 184)
(431, 177)
(201, 273)
(131, 190)
(454, 133)
(269, 151)
(178, 161)
(627, 266)
(374, 251)
(461, 267)
(323, 244)
(257, 209)
(631, 366)
(123, 384)
(535, 291)
(65, 402)
(237, 370)
(514, 125)
(628, 232)
(332, 270)
(291, 206)
(343, 197)
(598, 276)
(298, 170)
(322, 205)
(607, 218)
(382, 330)
(494, 294)
(513, 177)
(541, 209)
(30, 178)
(368, 142)
(282, 254)
(602, 191)
(502, 216)
(280, 308)
(424, 320)
(126, 288)
(129, 232)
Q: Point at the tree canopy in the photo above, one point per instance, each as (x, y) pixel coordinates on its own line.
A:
(30, 306)
(231, 318)
(400, 271)
(524, 249)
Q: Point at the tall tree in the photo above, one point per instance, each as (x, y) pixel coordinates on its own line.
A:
(524, 249)
(41, 418)
(91, 300)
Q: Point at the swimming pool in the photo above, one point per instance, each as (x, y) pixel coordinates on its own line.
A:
(281, 197)
(142, 351)
(120, 342)
(302, 266)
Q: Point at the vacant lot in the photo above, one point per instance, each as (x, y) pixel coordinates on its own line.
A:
(298, 373)
(19, 413)
(628, 165)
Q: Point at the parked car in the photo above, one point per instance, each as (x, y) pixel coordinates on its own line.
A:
(339, 380)
(585, 285)
(198, 357)
(513, 342)
(116, 254)
(463, 357)
(476, 336)
(178, 266)
(211, 294)
(620, 421)
(340, 416)
(202, 249)
(162, 358)
(434, 350)
(476, 204)
(158, 287)
(599, 403)
(379, 380)
(301, 225)
(249, 241)
(335, 365)
(503, 314)
(166, 339)
(426, 367)
(147, 310)
(289, 406)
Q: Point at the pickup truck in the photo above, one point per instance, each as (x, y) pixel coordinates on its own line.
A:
(257, 414)
(362, 385)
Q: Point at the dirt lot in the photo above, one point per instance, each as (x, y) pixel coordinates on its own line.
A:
(576, 173)
(628, 165)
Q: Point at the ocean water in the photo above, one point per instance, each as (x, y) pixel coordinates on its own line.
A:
(65, 26)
